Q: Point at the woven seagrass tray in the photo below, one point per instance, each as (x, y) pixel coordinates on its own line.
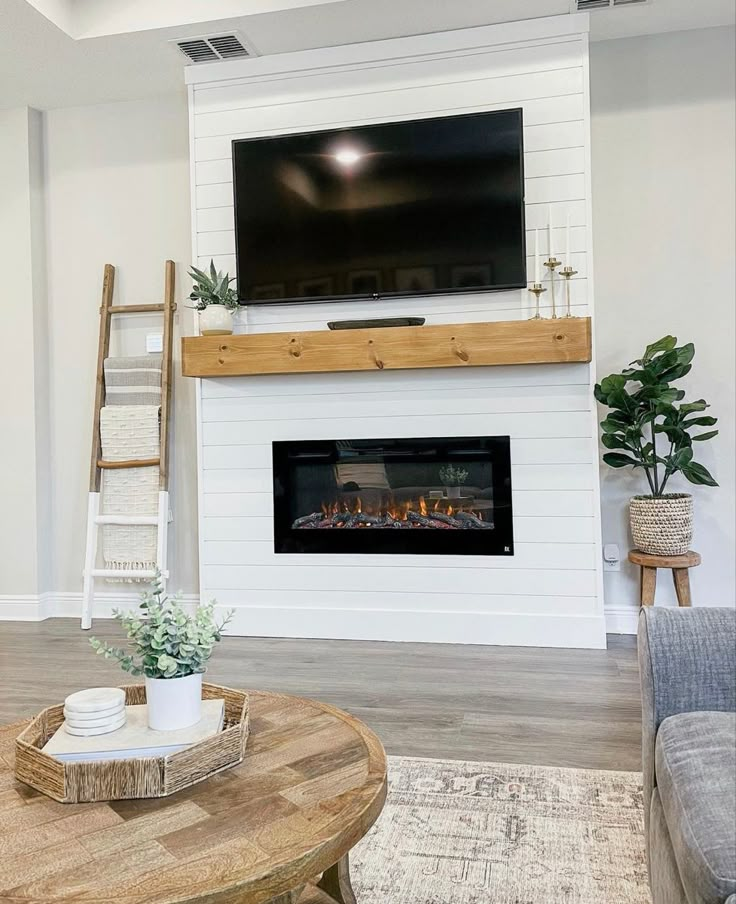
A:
(123, 779)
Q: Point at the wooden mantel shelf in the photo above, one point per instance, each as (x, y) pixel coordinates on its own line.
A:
(393, 348)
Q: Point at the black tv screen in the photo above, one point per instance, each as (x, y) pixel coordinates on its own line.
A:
(396, 209)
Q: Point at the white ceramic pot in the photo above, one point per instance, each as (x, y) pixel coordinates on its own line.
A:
(454, 492)
(174, 702)
(216, 320)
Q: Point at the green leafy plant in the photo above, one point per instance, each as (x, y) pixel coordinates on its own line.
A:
(165, 641)
(645, 407)
(452, 476)
(212, 288)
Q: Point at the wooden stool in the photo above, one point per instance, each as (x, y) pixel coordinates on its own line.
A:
(680, 566)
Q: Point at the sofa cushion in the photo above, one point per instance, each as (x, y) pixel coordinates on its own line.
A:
(695, 767)
(664, 876)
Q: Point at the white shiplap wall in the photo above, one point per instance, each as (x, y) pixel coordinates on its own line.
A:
(549, 593)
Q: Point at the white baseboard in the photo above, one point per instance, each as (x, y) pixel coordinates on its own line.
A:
(21, 607)
(622, 619)
(39, 607)
(497, 628)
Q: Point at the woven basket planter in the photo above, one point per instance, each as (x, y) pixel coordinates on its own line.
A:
(156, 776)
(663, 525)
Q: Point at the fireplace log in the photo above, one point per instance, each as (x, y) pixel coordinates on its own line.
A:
(422, 520)
(362, 518)
(445, 519)
(305, 520)
(433, 521)
(471, 522)
(341, 518)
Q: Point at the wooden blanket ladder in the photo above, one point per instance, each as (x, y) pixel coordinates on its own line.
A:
(98, 464)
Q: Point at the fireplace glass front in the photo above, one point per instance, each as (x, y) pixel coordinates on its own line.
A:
(431, 495)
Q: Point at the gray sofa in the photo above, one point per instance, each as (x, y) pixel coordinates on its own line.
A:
(687, 660)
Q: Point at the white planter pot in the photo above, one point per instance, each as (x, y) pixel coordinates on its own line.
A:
(662, 526)
(216, 320)
(454, 492)
(174, 702)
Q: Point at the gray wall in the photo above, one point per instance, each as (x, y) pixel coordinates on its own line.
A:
(663, 206)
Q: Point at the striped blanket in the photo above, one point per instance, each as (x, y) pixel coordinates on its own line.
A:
(133, 381)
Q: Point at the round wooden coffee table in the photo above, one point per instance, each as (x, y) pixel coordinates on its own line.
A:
(277, 828)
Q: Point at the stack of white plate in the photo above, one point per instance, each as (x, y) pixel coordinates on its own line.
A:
(96, 711)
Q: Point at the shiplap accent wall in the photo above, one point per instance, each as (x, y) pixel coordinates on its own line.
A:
(549, 593)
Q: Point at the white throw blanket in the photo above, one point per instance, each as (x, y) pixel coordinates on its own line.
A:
(130, 432)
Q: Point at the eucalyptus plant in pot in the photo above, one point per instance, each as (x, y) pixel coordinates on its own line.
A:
(170, 648)
(215, 300)
(650, 427)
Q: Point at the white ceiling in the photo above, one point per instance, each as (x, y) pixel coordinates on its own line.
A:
(56, 53)
(96, 18)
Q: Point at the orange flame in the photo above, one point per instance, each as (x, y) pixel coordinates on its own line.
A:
(399, 511)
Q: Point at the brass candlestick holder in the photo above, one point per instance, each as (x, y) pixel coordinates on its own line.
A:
(537, 289)
(568, 273)
(551, 264)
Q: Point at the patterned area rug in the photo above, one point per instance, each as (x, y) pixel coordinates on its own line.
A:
(488, 833)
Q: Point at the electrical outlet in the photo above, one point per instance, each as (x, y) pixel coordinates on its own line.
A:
(611, 557)
(154, 343)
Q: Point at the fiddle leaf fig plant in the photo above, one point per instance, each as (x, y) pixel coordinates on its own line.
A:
(649, 426)
(452, 476)
(164, 640)
(212, 288)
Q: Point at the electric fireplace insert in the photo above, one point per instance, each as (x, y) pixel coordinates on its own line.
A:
(429, 495)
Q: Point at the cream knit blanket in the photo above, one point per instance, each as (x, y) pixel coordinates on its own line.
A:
(130, 432)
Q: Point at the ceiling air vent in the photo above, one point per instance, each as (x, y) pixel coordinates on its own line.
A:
(229, 47)
(210, 48)
(582, 6)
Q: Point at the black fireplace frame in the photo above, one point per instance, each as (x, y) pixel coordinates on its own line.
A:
(496, 542)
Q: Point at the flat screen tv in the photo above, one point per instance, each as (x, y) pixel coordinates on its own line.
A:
(391, 210)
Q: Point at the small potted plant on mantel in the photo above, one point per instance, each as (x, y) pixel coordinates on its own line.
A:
(215, 300)
(170, 648)
(453, 478)
(651, 427)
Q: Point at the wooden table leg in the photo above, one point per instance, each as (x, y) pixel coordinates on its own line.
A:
(336, 882)
(681, 577)
(291, 897)
(648, 585)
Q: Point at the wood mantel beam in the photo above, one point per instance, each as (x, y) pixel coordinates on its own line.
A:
(394, 348)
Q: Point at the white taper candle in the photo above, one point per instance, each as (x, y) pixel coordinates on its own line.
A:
(537, 262)
(567, 241)
(549, 231)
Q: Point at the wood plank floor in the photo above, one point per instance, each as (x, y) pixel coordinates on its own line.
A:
(576, 708)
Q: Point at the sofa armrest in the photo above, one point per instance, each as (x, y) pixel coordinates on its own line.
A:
(687, 663)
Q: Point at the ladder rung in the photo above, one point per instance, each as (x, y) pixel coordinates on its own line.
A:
(136, 309)
(131, 463)
(122, 573)
(127, 520)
